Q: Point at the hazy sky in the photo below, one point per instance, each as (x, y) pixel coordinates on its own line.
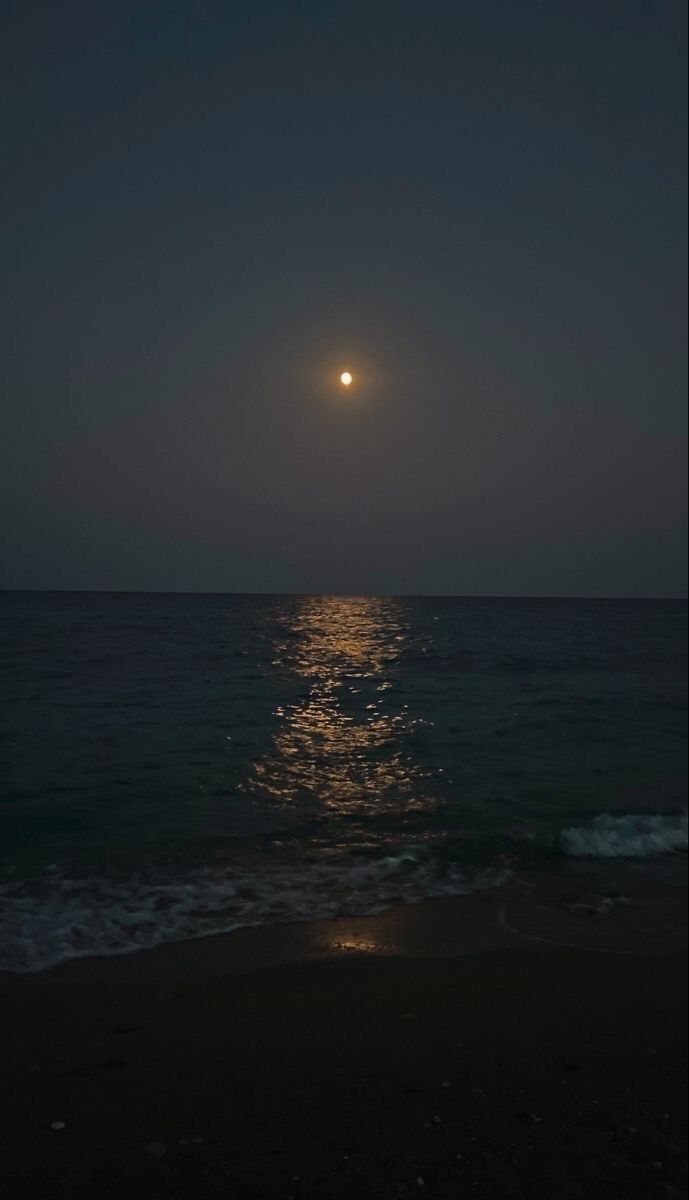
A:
(208, 209)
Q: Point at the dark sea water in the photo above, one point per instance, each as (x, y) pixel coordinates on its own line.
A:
(174, 765)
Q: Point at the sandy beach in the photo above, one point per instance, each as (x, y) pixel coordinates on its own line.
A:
(434, 1050)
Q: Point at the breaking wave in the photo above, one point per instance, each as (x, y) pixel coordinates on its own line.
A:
(630, 836)
(57, 919)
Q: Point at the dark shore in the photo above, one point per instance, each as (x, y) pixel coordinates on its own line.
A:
(430, 1051)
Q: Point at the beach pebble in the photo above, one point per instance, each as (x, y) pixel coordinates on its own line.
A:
(58, 1124)
(156, 1148)
(527, 1116)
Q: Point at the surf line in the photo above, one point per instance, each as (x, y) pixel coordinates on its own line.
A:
(534, 937)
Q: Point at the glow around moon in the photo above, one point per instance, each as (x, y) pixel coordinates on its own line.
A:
(346, 379)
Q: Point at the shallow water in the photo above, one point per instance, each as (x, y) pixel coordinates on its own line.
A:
(177, 764)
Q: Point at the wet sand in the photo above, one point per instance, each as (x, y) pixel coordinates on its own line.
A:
(446, 1049)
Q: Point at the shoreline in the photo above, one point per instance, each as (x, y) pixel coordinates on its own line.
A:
(616, 906)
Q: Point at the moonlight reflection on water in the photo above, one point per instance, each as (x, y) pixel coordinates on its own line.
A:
(343, 747)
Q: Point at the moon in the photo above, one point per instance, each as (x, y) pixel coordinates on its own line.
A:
(346, 378)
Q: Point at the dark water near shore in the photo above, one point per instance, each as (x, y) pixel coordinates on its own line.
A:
(178, 764)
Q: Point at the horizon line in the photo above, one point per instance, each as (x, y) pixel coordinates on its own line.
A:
(371, 595)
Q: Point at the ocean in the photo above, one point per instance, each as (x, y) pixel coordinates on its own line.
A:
(175, 765)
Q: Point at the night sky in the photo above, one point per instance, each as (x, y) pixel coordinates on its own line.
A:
(211, 209)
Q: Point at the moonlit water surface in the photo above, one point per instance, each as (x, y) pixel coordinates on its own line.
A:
(174, 765)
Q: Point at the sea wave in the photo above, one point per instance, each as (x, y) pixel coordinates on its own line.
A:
(46, 922)
(633, 835)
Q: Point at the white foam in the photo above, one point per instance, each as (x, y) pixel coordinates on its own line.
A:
(60, 919)
(631, 836)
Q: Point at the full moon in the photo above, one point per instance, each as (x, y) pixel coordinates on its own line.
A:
(345, 378)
